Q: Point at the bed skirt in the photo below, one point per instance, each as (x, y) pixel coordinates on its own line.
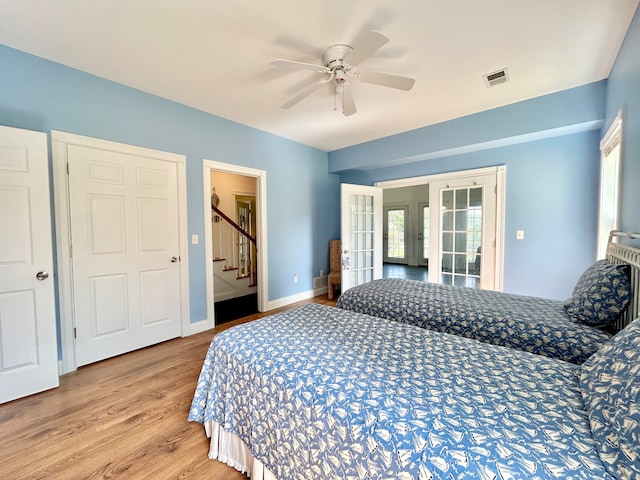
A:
(228, 448)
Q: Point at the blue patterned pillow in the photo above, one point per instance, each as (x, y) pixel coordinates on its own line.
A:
(602, 293)
(610, 383)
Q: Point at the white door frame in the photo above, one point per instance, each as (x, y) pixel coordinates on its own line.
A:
(422, 260)
(501, 174)
(261, 225)
(59, 141)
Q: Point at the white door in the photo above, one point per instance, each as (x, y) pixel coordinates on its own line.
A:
(125, 251)
(395, 234)
(361, 234)
(463, 231)
(28, 345)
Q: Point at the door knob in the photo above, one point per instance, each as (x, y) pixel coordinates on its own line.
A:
(42, 275)
(174, 259)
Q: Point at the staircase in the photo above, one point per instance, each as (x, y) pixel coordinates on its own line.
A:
(234, 253)
(227, 284)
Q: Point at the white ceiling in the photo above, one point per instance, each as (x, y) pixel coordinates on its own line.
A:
(214, 54)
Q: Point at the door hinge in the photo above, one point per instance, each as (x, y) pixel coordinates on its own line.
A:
(71, 250)
(75, 332)
(67, 168)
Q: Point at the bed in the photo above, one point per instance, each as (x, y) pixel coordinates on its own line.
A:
(573, 330)
(318, 392)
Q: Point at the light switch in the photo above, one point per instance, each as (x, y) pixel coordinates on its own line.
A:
(194, 239)
(519, 234)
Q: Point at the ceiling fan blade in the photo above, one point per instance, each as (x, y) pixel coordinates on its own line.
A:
(300, 65)
(348, 103)
(386, 80)
(305, 93)
(365, 46)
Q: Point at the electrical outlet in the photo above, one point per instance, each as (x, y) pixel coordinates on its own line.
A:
(295, 279)
(321, 272)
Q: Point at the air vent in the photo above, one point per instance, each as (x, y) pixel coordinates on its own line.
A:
(319, 282)
(496, 78)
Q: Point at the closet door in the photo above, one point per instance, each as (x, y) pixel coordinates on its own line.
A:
(125, 239)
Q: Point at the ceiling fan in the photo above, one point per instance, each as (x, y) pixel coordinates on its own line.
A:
(339, 62)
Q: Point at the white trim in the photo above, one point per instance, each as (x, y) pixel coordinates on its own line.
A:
(298, 297)
(261, 235)
(501, 194)
(60, 141)
(500, 172)
(611, 139)
(198, 327)
(615, 128)
(413, 181)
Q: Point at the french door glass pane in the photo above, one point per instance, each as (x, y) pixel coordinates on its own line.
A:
(461, 236)
(361, 253)
(395, 234)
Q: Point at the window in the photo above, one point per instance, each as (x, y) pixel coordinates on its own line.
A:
(610, 150)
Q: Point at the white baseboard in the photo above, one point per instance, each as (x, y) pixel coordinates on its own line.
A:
(206, 324)
(283, 302)
(199, 327)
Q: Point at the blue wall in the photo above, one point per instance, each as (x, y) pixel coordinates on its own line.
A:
(550, 146)
(302, 215)
(623, 93)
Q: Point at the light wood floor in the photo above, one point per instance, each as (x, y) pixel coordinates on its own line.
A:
(122, 418)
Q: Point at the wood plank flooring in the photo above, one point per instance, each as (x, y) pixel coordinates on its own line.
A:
(122, 418)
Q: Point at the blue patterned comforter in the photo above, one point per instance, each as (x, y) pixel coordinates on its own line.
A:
(318, 393)
(530, 324)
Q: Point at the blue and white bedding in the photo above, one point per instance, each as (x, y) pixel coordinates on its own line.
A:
(531, 324)
(318, 392)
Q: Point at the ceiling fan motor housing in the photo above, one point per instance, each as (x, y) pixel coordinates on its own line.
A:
(333, 57)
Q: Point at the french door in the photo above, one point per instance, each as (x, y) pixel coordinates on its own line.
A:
(463, 217)
(395, 234)
(361, 234)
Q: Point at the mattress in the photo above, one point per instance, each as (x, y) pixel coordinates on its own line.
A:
(319, 392)
(531, 324)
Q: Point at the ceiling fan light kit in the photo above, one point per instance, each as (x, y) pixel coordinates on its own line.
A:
(338, 61)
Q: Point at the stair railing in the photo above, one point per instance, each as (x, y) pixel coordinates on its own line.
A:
(242, 232)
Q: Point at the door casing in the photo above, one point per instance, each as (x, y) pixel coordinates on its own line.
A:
(261, 237)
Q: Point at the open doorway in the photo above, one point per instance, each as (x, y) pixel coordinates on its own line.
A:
(405, 231)
(233, 230)
(235, 245)
(446, 228)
